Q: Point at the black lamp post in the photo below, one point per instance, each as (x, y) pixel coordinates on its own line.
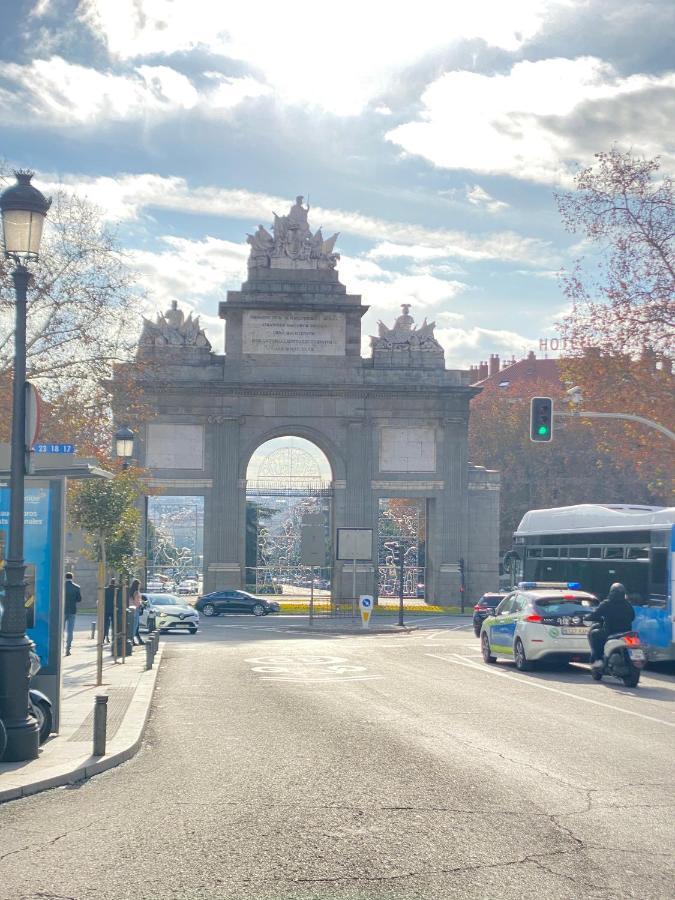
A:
(124, 445)
(23, 210)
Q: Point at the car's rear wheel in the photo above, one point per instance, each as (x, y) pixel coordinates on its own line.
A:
(486, 650)
(258, 610)
(522, 662)
(209, 609)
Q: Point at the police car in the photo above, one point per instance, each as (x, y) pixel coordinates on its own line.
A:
(539, 620)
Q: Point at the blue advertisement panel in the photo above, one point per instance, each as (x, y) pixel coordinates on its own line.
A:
(38, 559)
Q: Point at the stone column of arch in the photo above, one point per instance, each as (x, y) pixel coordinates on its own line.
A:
(223, 507)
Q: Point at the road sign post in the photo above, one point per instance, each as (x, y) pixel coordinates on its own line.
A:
(354, 544)
(366, 609)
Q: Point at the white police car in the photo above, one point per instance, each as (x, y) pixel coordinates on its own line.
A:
(539, 619)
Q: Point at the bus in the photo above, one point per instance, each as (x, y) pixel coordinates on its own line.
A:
(597, 544)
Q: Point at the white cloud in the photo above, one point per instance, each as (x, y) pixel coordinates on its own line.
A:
(196, 273)
(465, 347)
(385, 290)
(478, 196)
(127, 196)
(336, 59)
(65, 93)
(532, 122)
(388, 250)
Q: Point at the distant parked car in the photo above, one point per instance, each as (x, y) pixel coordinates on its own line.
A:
(484, 608)
(169, 613)
(155, 586)
(188, 586)
(218, 602)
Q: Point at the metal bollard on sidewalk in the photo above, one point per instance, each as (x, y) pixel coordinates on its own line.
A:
(156, 640)
(149, 653)
(93, 631)
(100, 724)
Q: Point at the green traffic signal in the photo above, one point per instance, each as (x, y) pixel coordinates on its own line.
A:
(541, 419)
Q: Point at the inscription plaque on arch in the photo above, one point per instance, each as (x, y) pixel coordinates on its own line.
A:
(294, 332)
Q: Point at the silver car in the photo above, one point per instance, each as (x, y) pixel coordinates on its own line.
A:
(169, 612)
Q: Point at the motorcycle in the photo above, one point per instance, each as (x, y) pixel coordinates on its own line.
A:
(623, 657)
(39, 704)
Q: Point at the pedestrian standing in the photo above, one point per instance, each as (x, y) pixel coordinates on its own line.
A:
(108, 609)
(135, 601)
(73, 596)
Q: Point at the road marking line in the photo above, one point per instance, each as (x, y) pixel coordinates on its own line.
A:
(462, 661)
(330, 680)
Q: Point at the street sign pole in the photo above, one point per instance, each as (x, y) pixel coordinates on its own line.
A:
(401, 564)
(311, 595)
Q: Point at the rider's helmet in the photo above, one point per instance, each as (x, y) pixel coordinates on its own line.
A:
(617, 591)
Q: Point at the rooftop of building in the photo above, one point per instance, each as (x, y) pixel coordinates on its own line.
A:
(504, 373)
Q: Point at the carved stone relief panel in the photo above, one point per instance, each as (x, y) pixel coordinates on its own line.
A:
(172, 446)
(408, 449)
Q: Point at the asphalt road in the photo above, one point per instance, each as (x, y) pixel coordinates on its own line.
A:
(279, 764)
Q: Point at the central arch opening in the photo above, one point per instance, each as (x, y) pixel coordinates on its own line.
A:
(289, 488)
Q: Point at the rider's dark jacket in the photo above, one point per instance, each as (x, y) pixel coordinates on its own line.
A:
(615, 614)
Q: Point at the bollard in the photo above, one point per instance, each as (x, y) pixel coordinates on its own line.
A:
(93, 631)
(155, 637)
(100, 724)
(149, 646)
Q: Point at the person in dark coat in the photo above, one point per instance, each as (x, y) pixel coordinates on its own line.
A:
(613, 616)
(73, 596)
(108, 609)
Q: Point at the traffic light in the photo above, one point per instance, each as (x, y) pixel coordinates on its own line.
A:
(541, 419)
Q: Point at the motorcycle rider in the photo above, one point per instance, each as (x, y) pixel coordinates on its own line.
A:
(613, 616)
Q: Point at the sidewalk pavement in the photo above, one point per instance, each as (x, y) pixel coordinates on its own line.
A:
(67, 757)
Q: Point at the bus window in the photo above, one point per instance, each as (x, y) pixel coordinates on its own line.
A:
(579, 552)
(613, 552)
(637, 552)
(595, 552)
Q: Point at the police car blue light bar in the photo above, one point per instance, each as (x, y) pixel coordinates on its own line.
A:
(533, 585)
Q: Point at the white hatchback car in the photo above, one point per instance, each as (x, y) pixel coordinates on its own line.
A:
(538, 620)
(169, 612)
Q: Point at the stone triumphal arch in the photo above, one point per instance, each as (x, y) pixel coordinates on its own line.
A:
(391, 425)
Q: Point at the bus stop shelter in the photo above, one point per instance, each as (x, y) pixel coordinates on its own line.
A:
(44, 552)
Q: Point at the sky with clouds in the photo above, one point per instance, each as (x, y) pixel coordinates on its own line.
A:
(431, 136)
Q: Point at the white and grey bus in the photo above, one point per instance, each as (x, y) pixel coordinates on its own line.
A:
(595, 545)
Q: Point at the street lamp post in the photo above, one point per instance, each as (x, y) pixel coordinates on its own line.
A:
(23, 210)
(124, 445)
